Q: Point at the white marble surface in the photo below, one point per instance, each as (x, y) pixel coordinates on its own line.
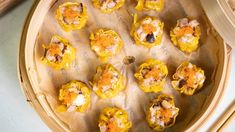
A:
(15, 113)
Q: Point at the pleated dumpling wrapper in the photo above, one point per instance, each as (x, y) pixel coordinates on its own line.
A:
(71, 16)
(105, 43)
(151, 75)
(162, 112)
(108, 6)
(147, 32)
(188, 78)
(59, 54)
(113, 119)
(74, 96)
(186, 35)
(157, 5)
(108, 81)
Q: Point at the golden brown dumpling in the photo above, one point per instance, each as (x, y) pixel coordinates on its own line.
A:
(186, 35)
(108, 81)
(151, 75)
(113, 119)
(74, 96)
(162, 112)
(147, 32)
(71, 15)
(59, 54)
(105, 43)
(188, 78)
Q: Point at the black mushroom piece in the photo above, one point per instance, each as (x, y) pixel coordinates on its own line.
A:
(150, 38)
(182, 82)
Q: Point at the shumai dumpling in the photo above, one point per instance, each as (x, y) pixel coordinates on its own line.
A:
(108, 81)
(59, 54)
(157, 5)
(74, 96)
(186, 35)
(106, 43)
(147, 32)
(71, 15)
(162, 112)
(151, 75)
(188, 78)
(113, 119)
(108, 6)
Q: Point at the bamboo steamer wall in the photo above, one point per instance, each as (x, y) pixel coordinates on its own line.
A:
(27, 72)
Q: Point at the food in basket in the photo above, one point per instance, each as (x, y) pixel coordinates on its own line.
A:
(188, 78)
(108, 81)
(157, 5)
(74, 96)
(186, 35)
(71, 15)
(106, 43)
(113, 119)
(59, 54)
(147, 32)
(162, 112)
(108, 6)
(151, 75)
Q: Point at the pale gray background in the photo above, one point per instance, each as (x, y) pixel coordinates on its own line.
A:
(15, 114)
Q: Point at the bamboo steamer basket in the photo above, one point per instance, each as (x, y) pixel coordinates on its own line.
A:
(38, 100)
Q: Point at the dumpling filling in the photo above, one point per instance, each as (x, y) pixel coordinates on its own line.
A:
(149, 30)
(71, 14)
(105, 43)
(185, 30)
(55, 51)
(113, 125)
(106, 81)
(108, 4)
(74, 99)
(152, 75)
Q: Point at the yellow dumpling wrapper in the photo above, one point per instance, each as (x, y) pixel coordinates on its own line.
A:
(150, 72)
(181, 85)
(108, 81)
(113, 119)
(54, 50)
(71, 18)
(150, 5)
(108, 6)
(105, 43)
(74, 96)
(163, 106)
(137, 24)
(187, 47)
